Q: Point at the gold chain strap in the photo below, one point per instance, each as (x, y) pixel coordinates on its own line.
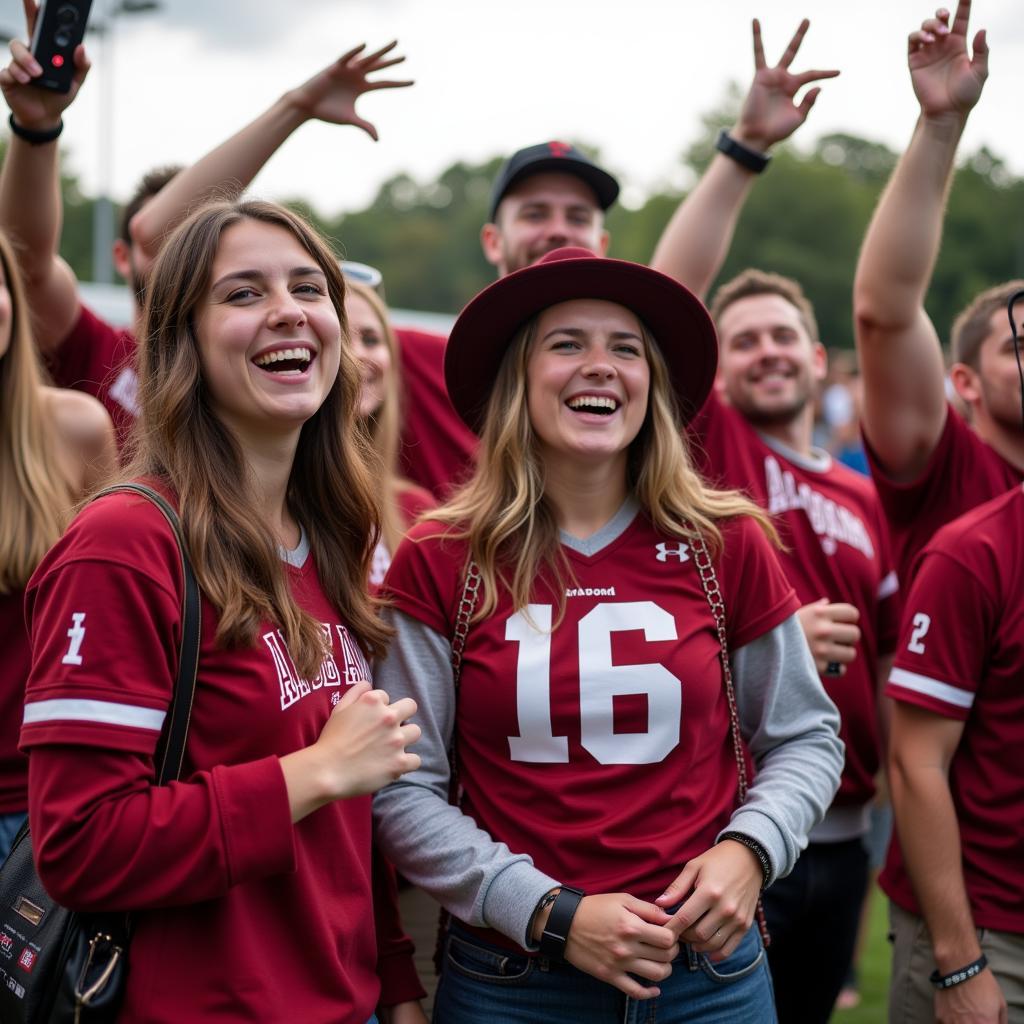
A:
(467, 605)
(713, 593)
(463, 615)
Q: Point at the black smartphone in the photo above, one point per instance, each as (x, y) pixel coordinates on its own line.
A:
(60, 27)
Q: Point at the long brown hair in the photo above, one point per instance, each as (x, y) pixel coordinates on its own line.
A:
(511, 527)
(35, 495)
(180, 439)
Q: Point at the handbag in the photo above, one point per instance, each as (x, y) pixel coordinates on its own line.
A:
(58, 965)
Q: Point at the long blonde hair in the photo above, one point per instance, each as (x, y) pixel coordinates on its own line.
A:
(180, 439)
(384, 426)
(35, 494)
(510, 526)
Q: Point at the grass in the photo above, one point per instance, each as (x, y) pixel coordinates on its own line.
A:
(874, 971)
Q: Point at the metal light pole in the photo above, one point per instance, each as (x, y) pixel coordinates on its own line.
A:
(103, 208)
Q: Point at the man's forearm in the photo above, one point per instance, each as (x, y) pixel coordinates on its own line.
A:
(902, 241)
(223, 172)
(930, 841)
(31, 208)
(696, 241)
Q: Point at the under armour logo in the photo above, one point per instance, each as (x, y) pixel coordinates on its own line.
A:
(678, 550)
(76, 634)
(559, 148)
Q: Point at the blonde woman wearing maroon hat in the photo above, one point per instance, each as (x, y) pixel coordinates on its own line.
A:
(601, 846)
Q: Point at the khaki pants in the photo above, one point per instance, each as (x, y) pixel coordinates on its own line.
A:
(911, 994)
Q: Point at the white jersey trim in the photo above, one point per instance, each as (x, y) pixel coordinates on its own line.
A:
(931, 688)
(104, 712)
(889, 586)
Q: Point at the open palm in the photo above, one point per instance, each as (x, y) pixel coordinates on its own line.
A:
(770, 112)
(331, 94)
(946, 78)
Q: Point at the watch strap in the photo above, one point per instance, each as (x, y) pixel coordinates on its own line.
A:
(746, 157)
(556, 930)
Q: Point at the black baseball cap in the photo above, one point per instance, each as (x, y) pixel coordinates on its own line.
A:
(560, 157)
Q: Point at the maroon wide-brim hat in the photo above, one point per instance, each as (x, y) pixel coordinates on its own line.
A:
(675, 316)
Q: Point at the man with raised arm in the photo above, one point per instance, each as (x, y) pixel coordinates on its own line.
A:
(83, 350)
(928, 464)
(756, 436)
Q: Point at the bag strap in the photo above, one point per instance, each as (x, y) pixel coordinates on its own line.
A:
(171, 747)
(713, 593)
(467, 605)
(463, 615)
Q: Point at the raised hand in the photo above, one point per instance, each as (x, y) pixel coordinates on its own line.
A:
(331, 94)
(946, 79)
(33, 107)
(770, 112)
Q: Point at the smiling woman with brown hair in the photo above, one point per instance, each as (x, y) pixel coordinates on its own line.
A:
(248, 407)
(564, 623)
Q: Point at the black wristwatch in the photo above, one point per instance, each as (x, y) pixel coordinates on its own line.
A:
(556, 931)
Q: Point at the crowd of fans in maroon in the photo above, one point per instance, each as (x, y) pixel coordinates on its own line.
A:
(525, 535)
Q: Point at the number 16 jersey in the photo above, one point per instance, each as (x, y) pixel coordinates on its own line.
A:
(598, 743)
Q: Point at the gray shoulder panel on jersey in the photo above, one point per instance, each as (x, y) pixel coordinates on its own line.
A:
(792, 729)
(432, 843)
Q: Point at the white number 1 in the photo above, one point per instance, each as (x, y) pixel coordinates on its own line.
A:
(600, 683)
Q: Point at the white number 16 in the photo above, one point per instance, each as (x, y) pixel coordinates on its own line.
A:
(600, 683)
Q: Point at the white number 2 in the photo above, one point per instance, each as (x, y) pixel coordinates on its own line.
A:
(600, 683)
(922, 623)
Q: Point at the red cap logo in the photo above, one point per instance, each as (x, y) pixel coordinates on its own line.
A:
(559, 148)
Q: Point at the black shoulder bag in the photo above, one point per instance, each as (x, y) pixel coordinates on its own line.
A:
(57, 965)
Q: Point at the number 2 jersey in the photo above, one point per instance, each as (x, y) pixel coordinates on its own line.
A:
(962, 657)
(598, 744)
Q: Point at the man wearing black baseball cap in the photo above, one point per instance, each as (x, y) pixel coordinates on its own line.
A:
(545, 197)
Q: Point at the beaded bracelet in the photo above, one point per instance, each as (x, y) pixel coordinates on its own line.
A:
(757, 850)
(958, 977)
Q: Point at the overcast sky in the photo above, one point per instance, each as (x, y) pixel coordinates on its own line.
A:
(631, 77)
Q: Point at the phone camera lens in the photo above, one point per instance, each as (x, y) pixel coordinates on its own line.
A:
(66, 15)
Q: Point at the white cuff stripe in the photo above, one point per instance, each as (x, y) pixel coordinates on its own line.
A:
(102, 711)
(889, 586)
(932, 688)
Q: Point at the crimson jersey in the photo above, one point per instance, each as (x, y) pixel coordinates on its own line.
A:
(962, 657)
(413, 501)
(962, 473)
(16, 656)
(99, 359)
(599, 744)
(836, 546)
(437, 447)
(258, 919)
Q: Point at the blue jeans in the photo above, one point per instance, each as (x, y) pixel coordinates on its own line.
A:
(9, 825)
(482, 984)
